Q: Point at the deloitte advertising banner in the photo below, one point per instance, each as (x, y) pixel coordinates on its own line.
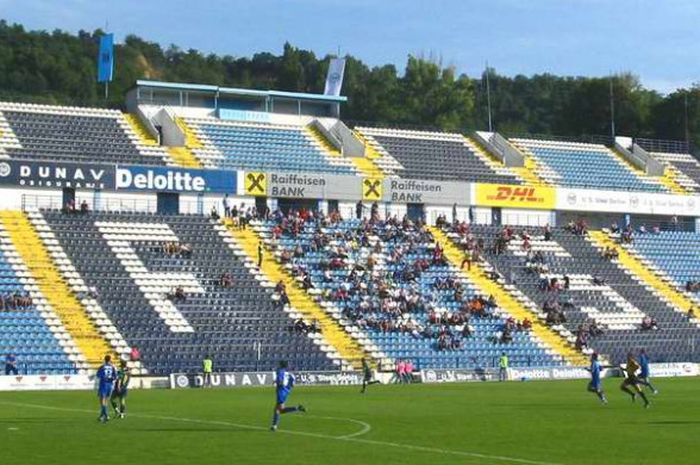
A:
(41, 174)
(263, 378)
(172, 179)
(548, 373)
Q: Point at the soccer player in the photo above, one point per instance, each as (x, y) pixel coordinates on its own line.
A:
(595, 385)
(367, 379)
(106, 375)
(284, 382)
(120, 389)
(631, 380)
(644, 373)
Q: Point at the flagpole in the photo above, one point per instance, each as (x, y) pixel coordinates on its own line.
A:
(488, 97)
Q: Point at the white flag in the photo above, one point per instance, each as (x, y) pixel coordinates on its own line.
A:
(334, 79)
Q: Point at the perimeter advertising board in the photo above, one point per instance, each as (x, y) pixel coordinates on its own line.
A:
(46, 174)
(514, 196)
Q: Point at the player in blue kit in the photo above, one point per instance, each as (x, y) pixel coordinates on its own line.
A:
(284, 383)
(106, 376)
(595, 385)
(643, 377)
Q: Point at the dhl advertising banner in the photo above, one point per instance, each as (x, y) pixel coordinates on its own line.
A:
(512, 196)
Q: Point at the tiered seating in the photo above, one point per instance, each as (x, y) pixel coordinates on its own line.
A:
(72, 134)
(122, 256)
(675, 254)
(32, 333)
(685, 166)
(263, 147)
(375, 295)
(618, 305)
(573, 164)
(432, 155)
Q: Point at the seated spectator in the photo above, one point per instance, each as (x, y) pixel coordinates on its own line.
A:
(186, 250)
(691, 313)
(527, 324)
(134, 354)
(69, 207)
(598, 281)
(178, 295)
(214, 214)
(547, 232)
(649, 324)
(226, 280)
(84, 207)
(614, 228)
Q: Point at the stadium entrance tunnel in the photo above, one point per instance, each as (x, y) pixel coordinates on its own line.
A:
(168, 203)
(287, 204)
(415, 211)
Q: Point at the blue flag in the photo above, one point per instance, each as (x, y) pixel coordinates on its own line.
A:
(105, 60)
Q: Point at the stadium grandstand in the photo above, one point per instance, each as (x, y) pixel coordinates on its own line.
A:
(253, 226)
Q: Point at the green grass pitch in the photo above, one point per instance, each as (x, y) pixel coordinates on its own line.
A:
(530, 423)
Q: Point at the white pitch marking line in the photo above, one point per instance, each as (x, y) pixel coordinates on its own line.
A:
(366, 427)
(501, 458)
(12, 428)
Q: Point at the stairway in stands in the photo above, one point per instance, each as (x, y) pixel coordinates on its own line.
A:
(342, 342)
(64, 303)
(509, 303)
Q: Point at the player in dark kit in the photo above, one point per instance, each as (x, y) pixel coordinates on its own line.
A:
(121, 387)
(367, 376)
(631, 381)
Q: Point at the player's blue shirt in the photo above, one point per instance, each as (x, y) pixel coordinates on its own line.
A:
(644, 365)
(284, 380)
(106, 375)
(595, 371)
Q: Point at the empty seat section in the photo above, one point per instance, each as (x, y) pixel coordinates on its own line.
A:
(70, 134)
(31, 332)
(685, 167)
(573, 164)
(263, 147)
(675, 254)
(122, 256)
(435, 155)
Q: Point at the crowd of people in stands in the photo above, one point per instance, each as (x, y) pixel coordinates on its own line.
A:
(176, 249)
(375, 271)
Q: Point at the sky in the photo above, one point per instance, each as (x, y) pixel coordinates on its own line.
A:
(658, 40)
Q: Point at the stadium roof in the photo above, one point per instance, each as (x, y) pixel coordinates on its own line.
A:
(238, 91)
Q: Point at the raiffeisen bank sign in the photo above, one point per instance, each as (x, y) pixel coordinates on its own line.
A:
(167, 179)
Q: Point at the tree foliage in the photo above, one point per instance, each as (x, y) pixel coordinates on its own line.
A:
(60, 68)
